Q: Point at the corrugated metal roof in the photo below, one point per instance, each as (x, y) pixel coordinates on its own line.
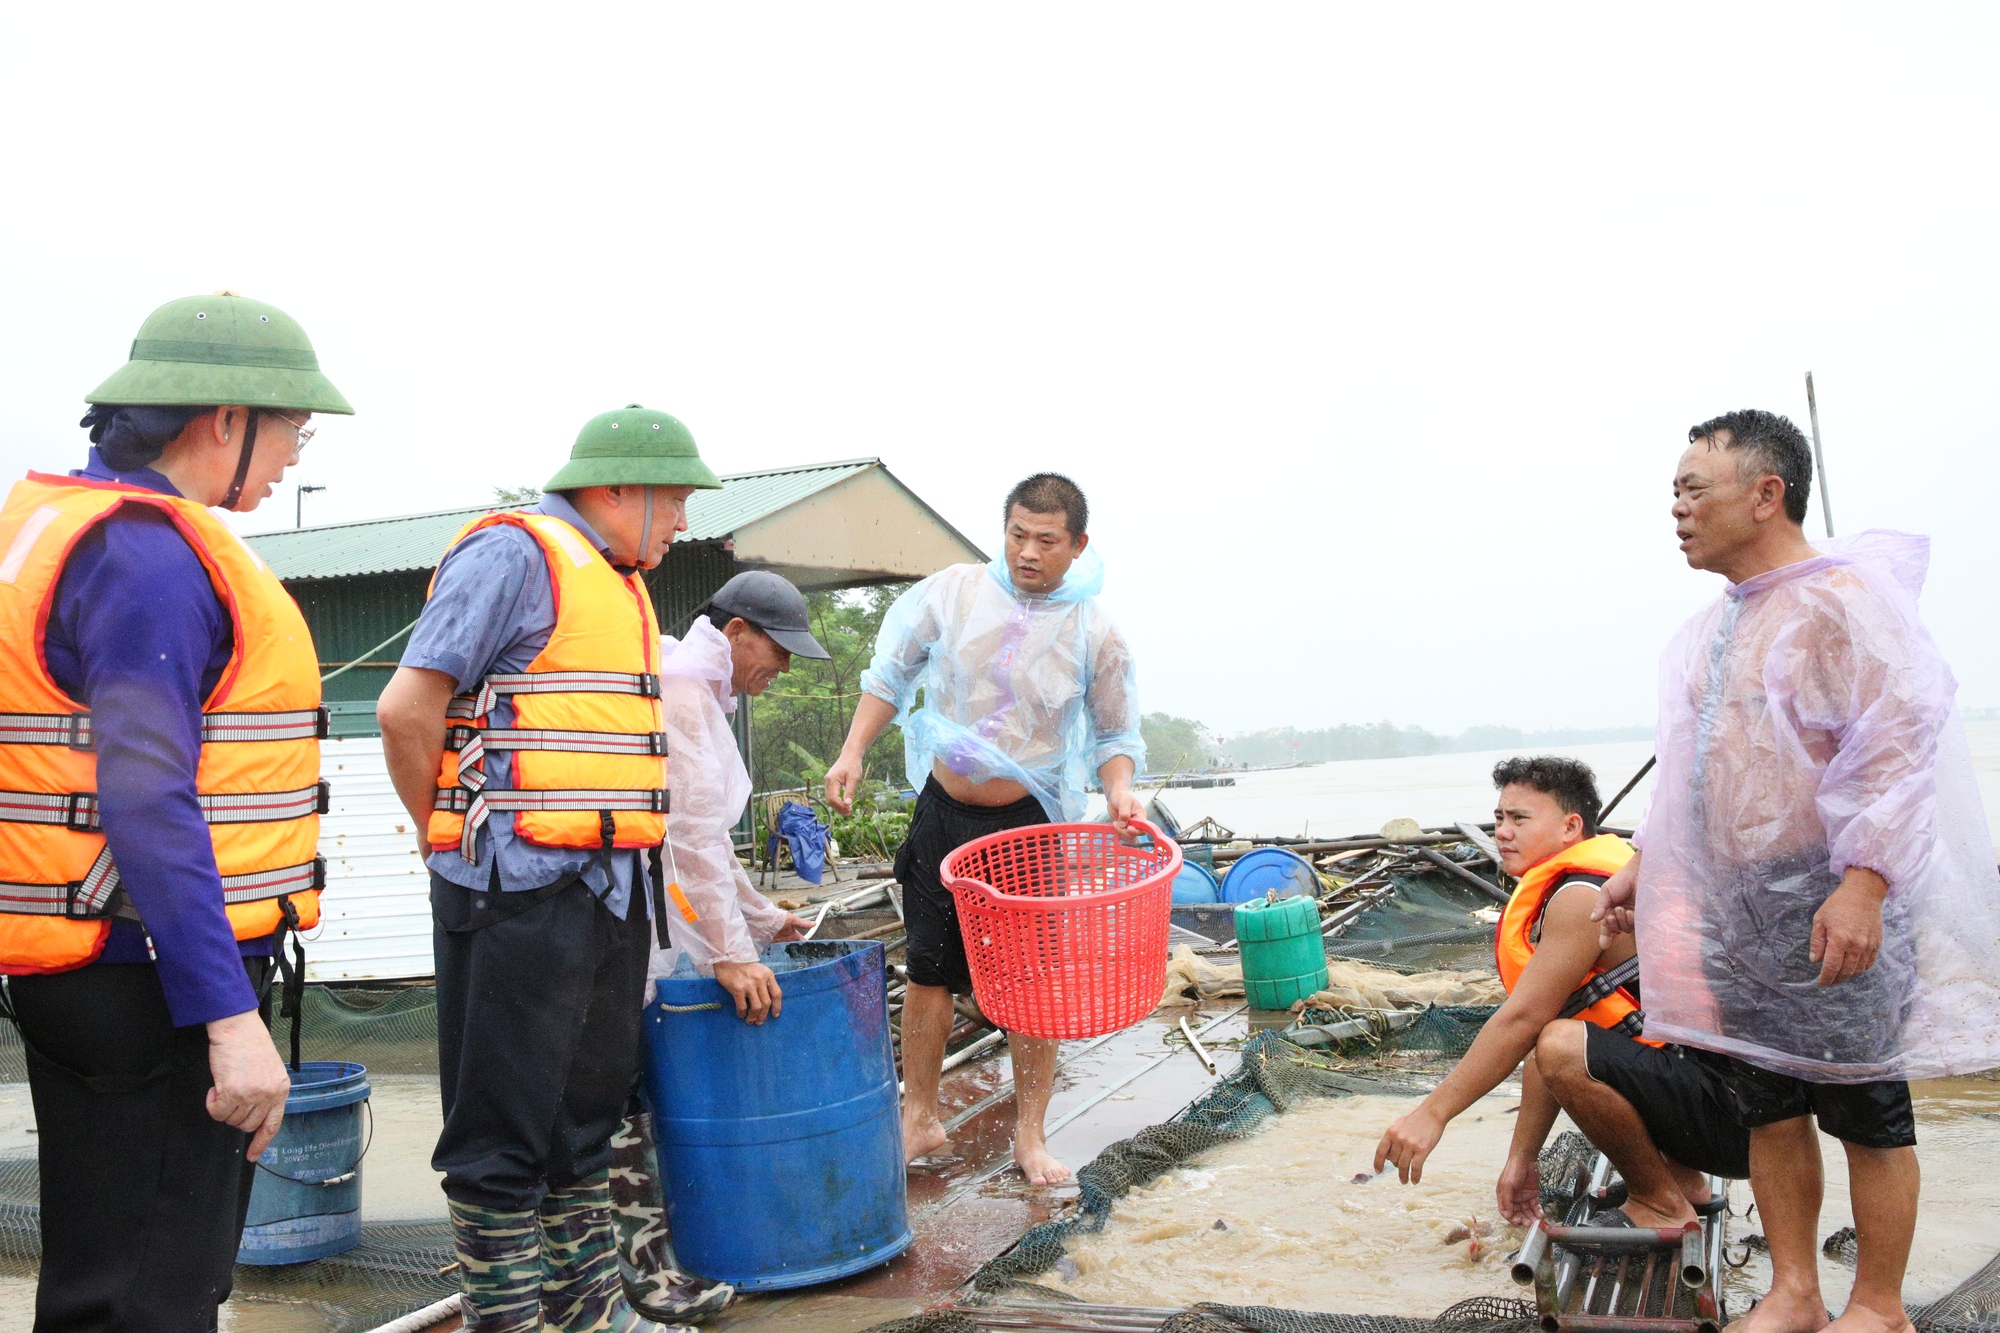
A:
(414, 541)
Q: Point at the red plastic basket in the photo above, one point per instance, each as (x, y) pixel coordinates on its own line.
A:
(1065, 926)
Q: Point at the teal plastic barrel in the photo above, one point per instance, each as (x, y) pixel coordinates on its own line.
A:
(1283, 958)
(781, 1146)
(306, 1202)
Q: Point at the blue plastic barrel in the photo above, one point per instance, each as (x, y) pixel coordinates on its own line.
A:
(781, 1146)
(1194, 885)
(306, 1202)
(1258, 872)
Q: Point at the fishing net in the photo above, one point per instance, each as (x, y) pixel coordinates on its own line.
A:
(398, 1267)
(390, 1029)
(1427, 924)
(1482, 1314)
(1973, 1306)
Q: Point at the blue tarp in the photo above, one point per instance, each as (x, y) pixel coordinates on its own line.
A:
(806, 837)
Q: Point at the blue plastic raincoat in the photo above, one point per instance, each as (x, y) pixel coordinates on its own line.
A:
(1038, 688)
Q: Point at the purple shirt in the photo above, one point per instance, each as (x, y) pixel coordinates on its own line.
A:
(139, 637)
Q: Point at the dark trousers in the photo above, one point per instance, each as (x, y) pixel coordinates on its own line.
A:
(143, 1195)
(538, 1034)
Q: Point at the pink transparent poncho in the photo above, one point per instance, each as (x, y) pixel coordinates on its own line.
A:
(1807, 725)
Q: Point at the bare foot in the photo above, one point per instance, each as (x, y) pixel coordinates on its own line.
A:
(1643, 1216)
(922, 1136)
(1785, 1312)
(1859, 1318)
(1032, 1156)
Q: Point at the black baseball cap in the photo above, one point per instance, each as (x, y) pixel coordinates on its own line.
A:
(773, 605)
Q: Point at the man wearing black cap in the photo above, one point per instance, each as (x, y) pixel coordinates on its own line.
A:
(738, 644)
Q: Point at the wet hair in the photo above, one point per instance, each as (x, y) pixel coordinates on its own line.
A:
(130, 438)
(1569, 781)
(1050, 493)
(1768, 443)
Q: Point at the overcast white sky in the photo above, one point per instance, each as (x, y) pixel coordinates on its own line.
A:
(1372, 332)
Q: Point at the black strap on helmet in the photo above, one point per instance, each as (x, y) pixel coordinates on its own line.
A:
(242, 460)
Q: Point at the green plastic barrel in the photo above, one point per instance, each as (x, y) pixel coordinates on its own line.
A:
(1283, 958)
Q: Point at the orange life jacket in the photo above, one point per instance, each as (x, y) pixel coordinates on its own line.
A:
(588, 740)
(258, 776)
(1602, 998)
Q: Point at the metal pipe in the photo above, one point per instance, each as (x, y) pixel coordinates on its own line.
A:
(1451, 867)
(1819, 454)
(1646, 1290)
(1345, 845)
(1633, 1239)
(1694, 1266)
(1529, 1257)
(972, 1052)
(1590, 1288)
(1393, 1020)
(1617, 1285)
(1626, 790)
(1194, 1044)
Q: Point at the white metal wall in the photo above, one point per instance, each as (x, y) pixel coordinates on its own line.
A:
(375, 916)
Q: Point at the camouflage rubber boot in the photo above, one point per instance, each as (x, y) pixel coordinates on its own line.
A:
(654, 1281)
(581, 1289)
(499, 1269)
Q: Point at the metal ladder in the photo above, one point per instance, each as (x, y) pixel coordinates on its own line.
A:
(1624, 1279)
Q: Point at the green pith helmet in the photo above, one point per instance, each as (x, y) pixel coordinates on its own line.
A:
(221, 350)
(634, 446)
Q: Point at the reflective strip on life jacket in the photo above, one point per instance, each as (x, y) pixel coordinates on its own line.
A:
(79, 810)
(73, 729)
(90, 899)
(476, 806)
(478, 704)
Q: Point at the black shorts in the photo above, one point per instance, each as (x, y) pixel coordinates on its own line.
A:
(940, 826)
(1680, 1097)
(1868, 1115)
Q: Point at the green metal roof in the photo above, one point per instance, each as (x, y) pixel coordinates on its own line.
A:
(415, 541)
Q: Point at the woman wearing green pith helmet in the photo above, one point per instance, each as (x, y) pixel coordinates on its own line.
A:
(525, 737)
(159, 789)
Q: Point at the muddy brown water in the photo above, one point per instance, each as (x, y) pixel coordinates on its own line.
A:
(1296, 1232)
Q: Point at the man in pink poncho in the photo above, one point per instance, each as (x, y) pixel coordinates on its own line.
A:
(1815, 897)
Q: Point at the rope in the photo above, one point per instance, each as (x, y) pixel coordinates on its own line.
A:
(363, 659)
(689, 1008)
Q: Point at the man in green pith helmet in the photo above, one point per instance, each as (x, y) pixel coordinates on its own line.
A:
(159, 824)
(524, 734)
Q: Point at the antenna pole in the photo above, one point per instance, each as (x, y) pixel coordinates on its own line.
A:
(1819, 456)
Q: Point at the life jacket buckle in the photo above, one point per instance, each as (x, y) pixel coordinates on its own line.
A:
(80, 812)
(323, 727)
(323, 798)
(662, 801)
(656, 744)
(607, 828)
(80, 735)
(649, 686)
(319, 872)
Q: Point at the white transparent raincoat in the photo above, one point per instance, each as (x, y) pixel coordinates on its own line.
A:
(1807, 725)
(1036, 688)
(709, 788)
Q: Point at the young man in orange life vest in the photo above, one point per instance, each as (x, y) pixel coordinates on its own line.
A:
(1572, 1025)
(159, 754)
(524, 734)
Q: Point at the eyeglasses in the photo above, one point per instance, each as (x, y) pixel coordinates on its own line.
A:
(305, 431)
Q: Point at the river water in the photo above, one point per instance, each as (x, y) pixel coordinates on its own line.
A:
(1297, 1232)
